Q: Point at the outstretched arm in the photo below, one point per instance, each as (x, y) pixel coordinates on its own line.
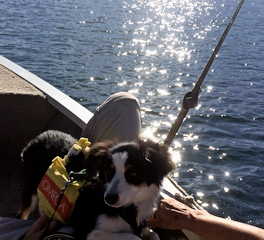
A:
(36, 230)
(172, 214)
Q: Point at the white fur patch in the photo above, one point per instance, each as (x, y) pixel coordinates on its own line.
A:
(112, 224)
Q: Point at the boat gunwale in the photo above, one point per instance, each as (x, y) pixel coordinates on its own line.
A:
(68, 106)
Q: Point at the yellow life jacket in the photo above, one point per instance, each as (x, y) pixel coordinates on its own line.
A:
(54, 180)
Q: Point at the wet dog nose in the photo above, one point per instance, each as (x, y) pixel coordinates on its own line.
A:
(111, 198)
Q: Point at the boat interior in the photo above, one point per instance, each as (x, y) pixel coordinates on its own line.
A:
(28, 107)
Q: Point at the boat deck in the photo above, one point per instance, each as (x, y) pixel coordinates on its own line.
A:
(29, 106)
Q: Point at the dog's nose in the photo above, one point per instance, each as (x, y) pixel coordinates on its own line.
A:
(111, 198)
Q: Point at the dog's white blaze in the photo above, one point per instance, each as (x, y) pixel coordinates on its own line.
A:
(146, 200)
(119, 160)
(118, 184)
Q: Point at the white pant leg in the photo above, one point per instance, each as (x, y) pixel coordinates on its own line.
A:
(13, 229)
(118, 117)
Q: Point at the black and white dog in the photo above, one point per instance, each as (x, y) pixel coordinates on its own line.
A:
(122, 192)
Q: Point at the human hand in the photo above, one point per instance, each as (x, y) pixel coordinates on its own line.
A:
(171, 214)
(36, 230)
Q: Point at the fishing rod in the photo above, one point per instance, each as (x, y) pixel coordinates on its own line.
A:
(190, 100)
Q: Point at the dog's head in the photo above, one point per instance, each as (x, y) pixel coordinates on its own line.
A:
(132, 171)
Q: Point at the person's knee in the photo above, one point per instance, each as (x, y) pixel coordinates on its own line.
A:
(119, 115)
(119, 100)
(123, 96)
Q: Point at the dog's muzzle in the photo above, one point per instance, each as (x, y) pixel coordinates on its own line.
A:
(111, 195)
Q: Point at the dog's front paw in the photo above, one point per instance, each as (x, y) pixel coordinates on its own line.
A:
(148, 234)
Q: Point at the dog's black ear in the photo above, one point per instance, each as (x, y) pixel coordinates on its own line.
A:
(158, 160)
(98, 156)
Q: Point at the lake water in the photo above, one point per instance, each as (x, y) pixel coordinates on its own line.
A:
(156, 50)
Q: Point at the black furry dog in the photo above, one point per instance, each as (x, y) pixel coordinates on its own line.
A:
(125, 180)
(37, 157)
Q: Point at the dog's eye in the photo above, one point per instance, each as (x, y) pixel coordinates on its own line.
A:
(134, 176)
(132, 173)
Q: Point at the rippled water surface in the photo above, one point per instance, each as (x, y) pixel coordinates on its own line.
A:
(156, 50)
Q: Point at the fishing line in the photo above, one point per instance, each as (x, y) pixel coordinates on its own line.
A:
(190, 100)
